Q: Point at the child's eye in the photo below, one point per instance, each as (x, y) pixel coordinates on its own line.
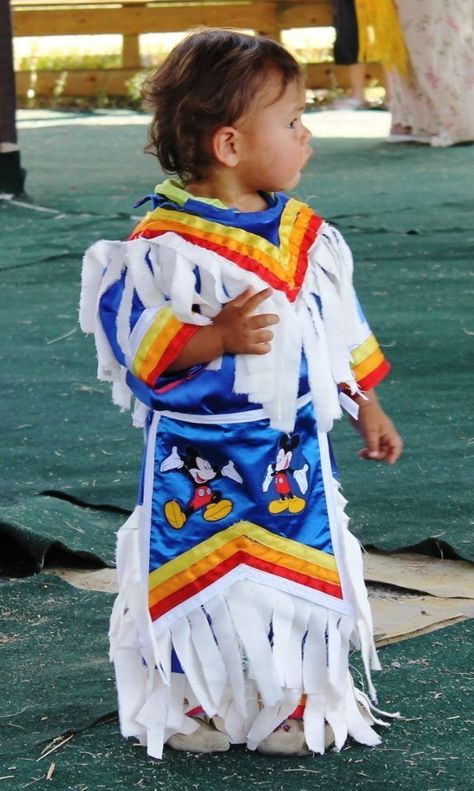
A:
(293, 123)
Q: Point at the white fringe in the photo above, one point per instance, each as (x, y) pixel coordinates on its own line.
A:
(230, 666)
(162, 271)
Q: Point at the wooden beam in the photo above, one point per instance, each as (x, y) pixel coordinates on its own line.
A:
(297, 13)
(77, 82)
(140, 19)
(91, 82)
(133, 17)
(328, 75)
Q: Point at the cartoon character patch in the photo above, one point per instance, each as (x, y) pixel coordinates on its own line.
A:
(200, 472)
(279, 474)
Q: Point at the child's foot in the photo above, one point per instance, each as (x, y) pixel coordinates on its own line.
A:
(207, 739)
(288, 739)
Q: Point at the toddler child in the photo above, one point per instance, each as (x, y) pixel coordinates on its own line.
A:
(230, 316)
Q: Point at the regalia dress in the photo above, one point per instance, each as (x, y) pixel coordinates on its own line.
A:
(241, 589)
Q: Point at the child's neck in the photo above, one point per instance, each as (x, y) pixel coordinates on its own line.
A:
(227, 192)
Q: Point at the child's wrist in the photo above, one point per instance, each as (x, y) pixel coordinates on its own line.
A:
(217, 341)
(366, 399)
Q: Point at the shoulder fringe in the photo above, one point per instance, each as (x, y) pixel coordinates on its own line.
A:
(103, 264)
(162, 271)
(230, 667)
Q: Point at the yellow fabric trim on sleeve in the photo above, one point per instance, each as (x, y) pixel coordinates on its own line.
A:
(360, 353)
(368, 365)
(154, 342)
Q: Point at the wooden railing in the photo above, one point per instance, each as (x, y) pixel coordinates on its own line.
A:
(130, 18)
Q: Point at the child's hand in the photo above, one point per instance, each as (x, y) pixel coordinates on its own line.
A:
(241, 330)
(382, 440)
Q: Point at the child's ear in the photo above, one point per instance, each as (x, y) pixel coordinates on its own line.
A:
(225, 146)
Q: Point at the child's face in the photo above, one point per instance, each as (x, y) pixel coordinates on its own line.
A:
(275, 142)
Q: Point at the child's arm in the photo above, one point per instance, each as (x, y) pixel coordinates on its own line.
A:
(236, 330)
(382, 440)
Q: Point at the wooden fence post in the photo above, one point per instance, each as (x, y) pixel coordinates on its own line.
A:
(131, 52)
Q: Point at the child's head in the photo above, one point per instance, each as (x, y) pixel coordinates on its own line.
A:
(209, 81)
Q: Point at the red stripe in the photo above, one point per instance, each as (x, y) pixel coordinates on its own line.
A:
(240, 557)
(182, 337)
(375, 377)
(243, 260)
(247, 262)
(298, 713)
(309, 236)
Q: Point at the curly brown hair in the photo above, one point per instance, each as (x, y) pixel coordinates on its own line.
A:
(208, 80)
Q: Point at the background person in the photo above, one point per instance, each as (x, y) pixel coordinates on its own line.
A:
(434, 103)
(367, 31)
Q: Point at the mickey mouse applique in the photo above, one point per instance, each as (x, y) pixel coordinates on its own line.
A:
(200, 472)
(278, 474)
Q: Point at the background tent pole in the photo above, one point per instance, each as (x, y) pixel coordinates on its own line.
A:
(12, 175)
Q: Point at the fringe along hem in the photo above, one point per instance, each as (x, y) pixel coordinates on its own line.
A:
(249, 655)
(252, 644)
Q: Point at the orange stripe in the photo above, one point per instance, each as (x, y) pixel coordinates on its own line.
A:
(250, 257)
(368, 365)
(310, 234)
(242, 543)
(182, 337)
(158, 348)
(239, 558)
(156, 227)
(375, 377)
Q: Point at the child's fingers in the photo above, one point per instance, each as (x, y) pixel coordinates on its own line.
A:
(394, 449)
(389, 450)
(259, 348)
(252, 302)
(373, 455)
(264, 320)
(372, 448)
(242, 298)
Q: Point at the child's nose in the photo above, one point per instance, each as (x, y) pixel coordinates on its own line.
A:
(306, 136)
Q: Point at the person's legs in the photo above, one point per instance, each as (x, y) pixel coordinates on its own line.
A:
(346, 47)
(357, 81)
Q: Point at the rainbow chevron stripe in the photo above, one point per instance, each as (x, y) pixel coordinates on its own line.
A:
(243, 543)
(160, 345)
(283, 267)
(369, 364)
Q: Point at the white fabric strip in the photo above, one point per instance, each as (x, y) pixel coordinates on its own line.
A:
(152, 709)
(162, 269)
(228, 417)
(242, 573)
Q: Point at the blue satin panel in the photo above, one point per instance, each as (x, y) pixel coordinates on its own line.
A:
(108, 308)
(199, 391)
(252, 447)
(196, 390)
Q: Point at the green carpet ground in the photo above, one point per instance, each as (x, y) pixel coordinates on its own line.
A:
(70, 460)
(429, 749)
